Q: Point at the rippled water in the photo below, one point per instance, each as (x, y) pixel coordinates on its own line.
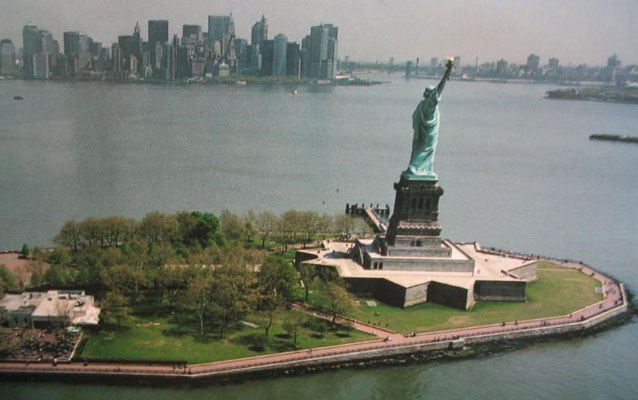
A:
(518, 171)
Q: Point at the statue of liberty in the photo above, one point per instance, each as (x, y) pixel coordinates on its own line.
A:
(425, 122)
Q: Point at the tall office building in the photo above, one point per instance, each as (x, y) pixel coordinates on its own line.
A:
(501, 67)
(293, 60)
(7, 58)
(259, 31)
(221, 28)
(130, 45)
(280, 49)
(533, 62)
(76, 45)
(323, 51)
(192, 33)
(157, 31)
(32, 44)
(305, 56)
(39, 50)
(116, 59)
(267, 56)
(242, 53)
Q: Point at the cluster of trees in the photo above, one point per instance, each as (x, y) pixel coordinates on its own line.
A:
(292, 226)
(7, 280)
(89, 247)
(215, 268)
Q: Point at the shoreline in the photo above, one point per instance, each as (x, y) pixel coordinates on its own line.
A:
(442, 352)
(442, 345)
(240, 80)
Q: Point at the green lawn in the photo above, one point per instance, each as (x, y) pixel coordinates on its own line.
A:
(557, 291)
(164, 338)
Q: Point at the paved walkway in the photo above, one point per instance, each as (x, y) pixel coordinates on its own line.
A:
(614, 298)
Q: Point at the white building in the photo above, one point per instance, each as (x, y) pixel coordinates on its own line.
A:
(55, 306)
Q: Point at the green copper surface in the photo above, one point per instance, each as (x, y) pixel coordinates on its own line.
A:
(425, 123)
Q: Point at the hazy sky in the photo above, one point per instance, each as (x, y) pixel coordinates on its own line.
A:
(576, 31)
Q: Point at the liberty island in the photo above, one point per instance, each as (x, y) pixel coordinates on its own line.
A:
(410, 265)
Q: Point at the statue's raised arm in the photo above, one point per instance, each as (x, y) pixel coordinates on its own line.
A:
(448, 70)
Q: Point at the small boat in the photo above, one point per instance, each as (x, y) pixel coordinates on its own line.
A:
(18, 98)
(241, 83)
(294, 92)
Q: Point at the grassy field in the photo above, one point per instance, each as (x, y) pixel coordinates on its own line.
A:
(557, 291)
(146, 337)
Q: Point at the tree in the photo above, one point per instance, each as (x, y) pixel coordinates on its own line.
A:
(324, 224)
(198, 228)
(25, 252)
(339, 300)
(250, 226)
(307, 273)
(308, 224)
(233, 293)
(7, 280)
(157, 227)
(276, 280)
(288, 227)
(344, 224)
(199, 297)
(69, 235)
(232, 225)
(59, 276)
(124, 279)
(291, 326)
(266, 225)
(36, 267)
(115, 307)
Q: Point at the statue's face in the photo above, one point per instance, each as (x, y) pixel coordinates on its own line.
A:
(429, 92)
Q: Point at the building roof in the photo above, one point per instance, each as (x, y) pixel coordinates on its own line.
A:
(78, 307)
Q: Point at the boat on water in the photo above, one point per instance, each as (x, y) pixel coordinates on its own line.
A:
(18, 98)
(614, 138)
(294, 92)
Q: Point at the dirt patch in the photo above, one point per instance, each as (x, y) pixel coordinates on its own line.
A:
(21, 268)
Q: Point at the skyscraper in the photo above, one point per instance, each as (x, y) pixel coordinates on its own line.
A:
(76, 45)
(533, 62)
(293, 60)
(130, 45)
(192, 33)
(259, 31)
(39, 49)
(32, 44)
(280, 48)
(243, 56)
(116, 59)
(267, 56)
(323, 51)
(157, 31)
(221, 28)
(7, 58)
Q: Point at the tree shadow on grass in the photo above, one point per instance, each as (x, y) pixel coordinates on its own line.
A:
(255, 341)
(114, 327)
(283, 336)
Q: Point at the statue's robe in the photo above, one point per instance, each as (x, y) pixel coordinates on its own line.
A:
(425, 122)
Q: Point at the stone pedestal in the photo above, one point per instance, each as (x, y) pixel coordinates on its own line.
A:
(414, 229)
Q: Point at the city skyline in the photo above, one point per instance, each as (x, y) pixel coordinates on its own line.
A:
(490, 32)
